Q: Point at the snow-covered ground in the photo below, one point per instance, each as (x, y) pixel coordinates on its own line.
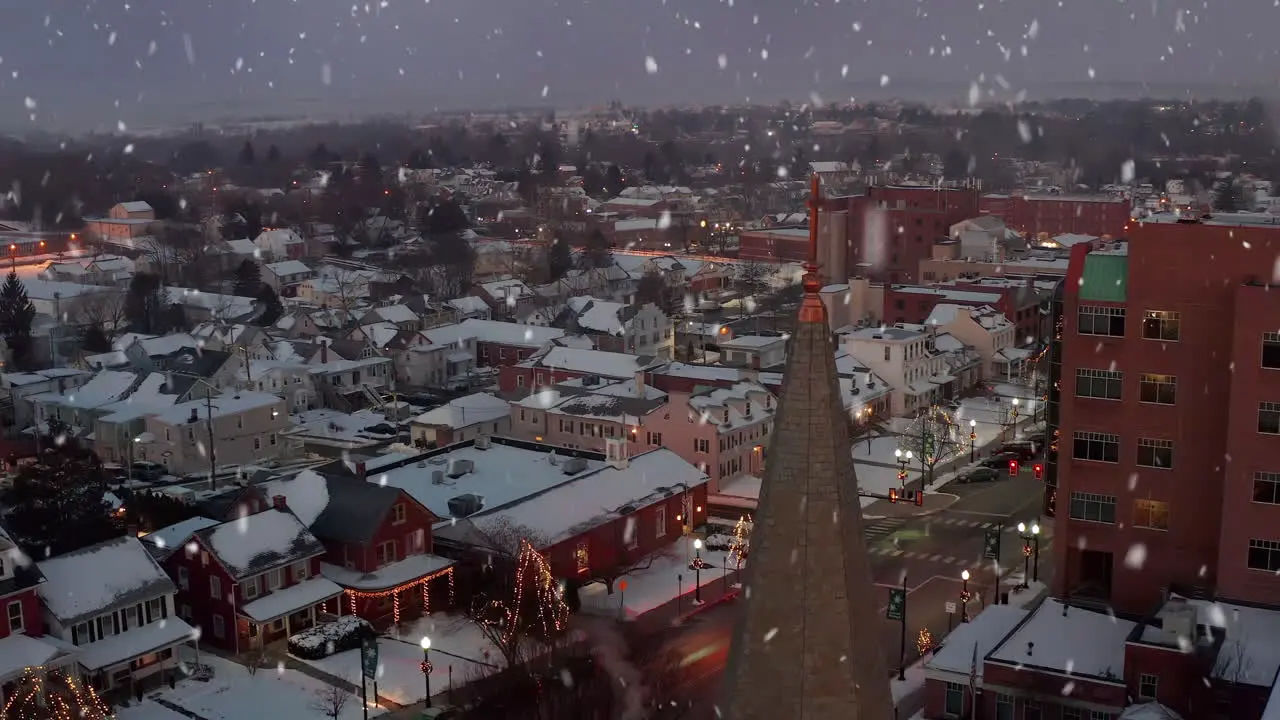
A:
(657, 584)
(457, 650)
(914, 681)
(234, 694)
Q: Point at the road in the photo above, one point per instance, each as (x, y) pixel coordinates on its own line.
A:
(930, 550)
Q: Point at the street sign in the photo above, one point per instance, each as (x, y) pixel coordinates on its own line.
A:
(991, 545)
(951, 608)
(897, 604)
(369, 658)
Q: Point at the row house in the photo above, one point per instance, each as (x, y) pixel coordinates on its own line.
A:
(400, 316)
(635, 207)
(247, 582)
(452, 353)
(115, 605)
(240, 429)
(464, 418)
(619, 327)
(612, 282)
(285, 276)
(988, 332)
(22, 642)
(587, 413)
(556, 364)
(17, 390)
(119, 427)
(377, 545)
(505, 298)
(468, 307)
(639, 505)
(909, 359)
(355, 379)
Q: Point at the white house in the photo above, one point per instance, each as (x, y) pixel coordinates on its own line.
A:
(754, 351)
(619, 327)
(984, 329)
(280, 244)
(462, 419)
(114, 603)
(907, 357)
(285, 276)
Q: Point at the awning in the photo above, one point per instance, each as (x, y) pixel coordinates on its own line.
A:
(919, 388)
(1012, 354)
(411, 569)
(134, 643)
(19, 652)
(287, 601)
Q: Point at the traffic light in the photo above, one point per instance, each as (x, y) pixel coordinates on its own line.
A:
(1039, 470)
(920, 497)
(1013, 467)
(893, 495)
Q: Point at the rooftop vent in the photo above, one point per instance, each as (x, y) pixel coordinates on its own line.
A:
(437, 477)
(573, 466)
(460, 466)
(465, 505)
(482, 442)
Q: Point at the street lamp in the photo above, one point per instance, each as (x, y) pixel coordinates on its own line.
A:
(1014, 424)
(426, 665)
(1030, 552)
(964, 596)
(973, 438)
(697, 571)
(904, 459)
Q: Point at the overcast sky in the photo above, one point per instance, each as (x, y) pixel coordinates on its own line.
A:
(95, 63)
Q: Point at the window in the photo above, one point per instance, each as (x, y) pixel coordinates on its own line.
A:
(582, 557)
(1266, 488)
(1004, 707)
(631, 533)
(1031, 710)
(1093, 508)
(1098, 320)
(886, 353)
(397, 514)
(1264, 555)
(156, 610)
(1098, 447)
(655, 438)
(1147, 685)
(1070, 713)
(701, 446)
(215, 587)
(219, 627)
(1269, 418)
(953, 704)
(301, 571)
(184, 578)
(386, 553)
(273, 438)
(1161, 325)
(16, 619)
(1271, 350)
(660, 522)
(257, 443)
(1102, 384)
(416, 542)
(1151, 514)
(252, 587)
(1155, 453)
(1158, 389)
(275, 579)
(1101, 715)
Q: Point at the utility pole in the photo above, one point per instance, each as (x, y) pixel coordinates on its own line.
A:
(213, 460)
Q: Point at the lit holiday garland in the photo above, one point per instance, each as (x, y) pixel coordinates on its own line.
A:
(553, 613)
(63, 698)
(924, 641)
(423, 582)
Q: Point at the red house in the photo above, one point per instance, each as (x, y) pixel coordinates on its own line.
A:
(377, 545)
(557, 364)
(247, 582)
(21, 626)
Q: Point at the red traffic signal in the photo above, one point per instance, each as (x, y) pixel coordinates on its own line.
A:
(1013, 467)
(893, 495)
(1039, 470)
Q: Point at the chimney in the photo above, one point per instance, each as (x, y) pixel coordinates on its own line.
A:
(324, 353)
(277, 502)
(639, 384)
(360, 470)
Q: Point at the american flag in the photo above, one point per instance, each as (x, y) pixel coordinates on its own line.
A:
(973, 683)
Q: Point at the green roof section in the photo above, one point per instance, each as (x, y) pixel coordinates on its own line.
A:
(1105, 278)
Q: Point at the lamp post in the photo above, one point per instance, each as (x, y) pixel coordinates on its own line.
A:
(1030, 551)
(973, 439)
(697, 571)
(866, 422)
(1014, 414)
(426, 666)
(904, 459)
(1026, 555)
(964, 596)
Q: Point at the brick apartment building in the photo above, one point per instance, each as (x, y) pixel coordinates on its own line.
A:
(1096, 215)
(1018, 299)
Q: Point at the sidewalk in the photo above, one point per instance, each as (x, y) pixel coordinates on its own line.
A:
(293, 663)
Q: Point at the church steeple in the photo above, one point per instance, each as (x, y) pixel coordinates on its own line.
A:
(806, 645)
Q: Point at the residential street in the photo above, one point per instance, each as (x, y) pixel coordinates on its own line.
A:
(930, 545)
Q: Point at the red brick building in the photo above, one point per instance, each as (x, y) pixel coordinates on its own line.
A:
(1019, 301)
(1058, 214)
(893, 227)
(559, 364)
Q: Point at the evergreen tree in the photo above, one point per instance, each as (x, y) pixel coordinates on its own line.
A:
(272, 308)
(1226, 197)
(247, 154)
(16, 316)
(651, 289)
(559, 258)
(320, 157)
(146, 304)
(596, 253)
(95, 340)
(613, 181)
(248, 279)
(273, 154)
(56, 503)
(955, 165)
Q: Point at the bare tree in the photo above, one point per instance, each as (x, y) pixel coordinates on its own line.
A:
(1234, 662)
(332, 699)
(519, 609)
(932, 439)
(347, 288)
(182, 253)
(102, 310)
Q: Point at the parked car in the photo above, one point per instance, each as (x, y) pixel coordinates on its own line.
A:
(148, 471)
(999, 460)
(980, 474)
(1021, 449)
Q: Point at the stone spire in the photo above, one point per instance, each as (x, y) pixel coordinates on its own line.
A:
(807, 641)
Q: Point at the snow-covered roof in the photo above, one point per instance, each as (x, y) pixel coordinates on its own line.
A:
(387, 576)
(92, 580)
(169, 538)
(501, 474)
(635, 224)
(466, 411)
(594, 499)
(1253, 633)
(223, 405)
(593, 362)
(243, 246)
(256, 543)
(752, 342)
(633, 202)
(286, 268)
(380, 333)
(506, 290)
(106, 387)
(291, 599)
(136, 206)
(985, 631)
(306, 493)
(468, 304)
(599, 315)
(1081, 642)
(18, 652)
(136, 641)
(492, 331)
(401, 313)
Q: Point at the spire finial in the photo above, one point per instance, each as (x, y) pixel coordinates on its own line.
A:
(811, 308)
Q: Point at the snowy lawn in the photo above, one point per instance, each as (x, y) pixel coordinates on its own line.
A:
(657, 584)
(913, 684)
(457, 645)
(234, 694)
(877, 478)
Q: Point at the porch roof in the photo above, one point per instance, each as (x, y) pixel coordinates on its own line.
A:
(19, 652)
(410, 569)
(287, 601)
(118, 649)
